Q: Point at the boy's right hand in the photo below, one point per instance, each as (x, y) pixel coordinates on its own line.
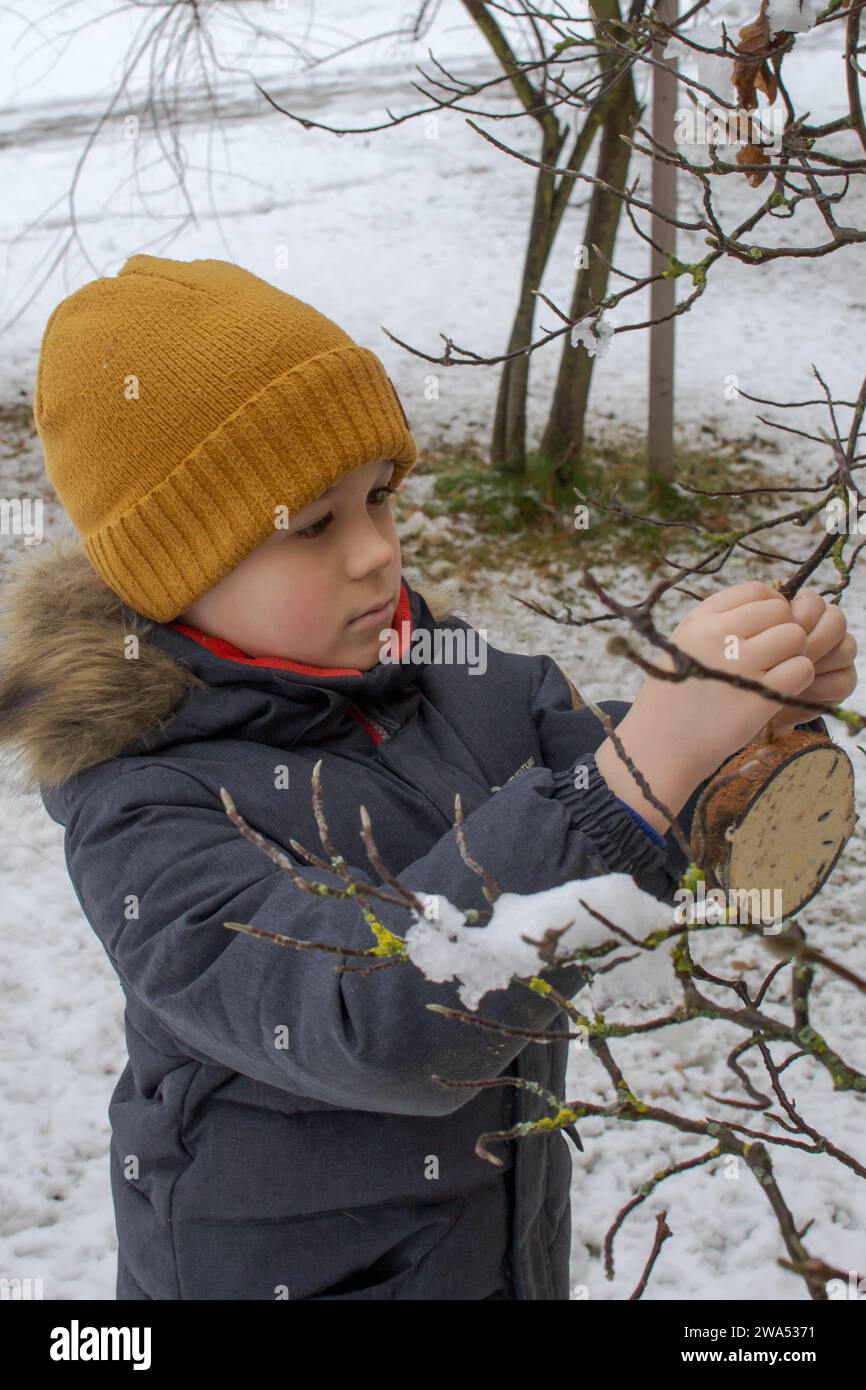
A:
(745, 629)
(677, 733)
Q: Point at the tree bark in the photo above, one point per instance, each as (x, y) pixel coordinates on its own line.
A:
(562, 442)
(508, 441)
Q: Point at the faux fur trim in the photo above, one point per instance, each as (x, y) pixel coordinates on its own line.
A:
(78, 678)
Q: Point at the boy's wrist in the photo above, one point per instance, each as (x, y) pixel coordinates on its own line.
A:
(671, 778)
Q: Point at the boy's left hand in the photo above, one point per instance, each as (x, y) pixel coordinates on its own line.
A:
(830, 647)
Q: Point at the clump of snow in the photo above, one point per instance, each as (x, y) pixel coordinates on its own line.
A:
(445, 947)
(419, 526)
(793, 15)
(713, 70)
(594, 336)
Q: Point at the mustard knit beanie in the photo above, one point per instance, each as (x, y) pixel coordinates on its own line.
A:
(180, 403)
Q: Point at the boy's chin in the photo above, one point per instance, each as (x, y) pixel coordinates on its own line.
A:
(367, 650)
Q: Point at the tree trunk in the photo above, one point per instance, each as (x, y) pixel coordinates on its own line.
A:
(562, 443)
(508, 444)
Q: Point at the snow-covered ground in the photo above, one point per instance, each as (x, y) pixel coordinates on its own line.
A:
(419, 230)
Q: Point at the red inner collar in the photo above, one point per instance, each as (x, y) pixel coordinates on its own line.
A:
(229, 652)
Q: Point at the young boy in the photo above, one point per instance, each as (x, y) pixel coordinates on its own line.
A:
(226, 454)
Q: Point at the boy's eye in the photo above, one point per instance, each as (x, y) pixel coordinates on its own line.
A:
(317, 528)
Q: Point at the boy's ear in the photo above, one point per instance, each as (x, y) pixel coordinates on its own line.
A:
(576, 701)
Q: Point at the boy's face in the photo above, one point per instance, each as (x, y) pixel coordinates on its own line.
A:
(297, 593)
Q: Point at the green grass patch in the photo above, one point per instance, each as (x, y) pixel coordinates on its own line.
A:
(501, 518)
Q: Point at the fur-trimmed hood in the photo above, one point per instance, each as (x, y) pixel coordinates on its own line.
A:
(83, 677)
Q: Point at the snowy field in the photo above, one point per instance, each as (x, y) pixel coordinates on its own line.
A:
(422, 236)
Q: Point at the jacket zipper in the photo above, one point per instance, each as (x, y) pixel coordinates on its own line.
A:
(376, 732)
(387, 721)
(372, 714)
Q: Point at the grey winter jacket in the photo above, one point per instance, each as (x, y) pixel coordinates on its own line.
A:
(276, 1132)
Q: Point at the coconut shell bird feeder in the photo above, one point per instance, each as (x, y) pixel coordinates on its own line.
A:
(775, 817)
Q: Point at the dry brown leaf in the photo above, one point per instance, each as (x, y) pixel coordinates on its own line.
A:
(754, 42)
(753, 156)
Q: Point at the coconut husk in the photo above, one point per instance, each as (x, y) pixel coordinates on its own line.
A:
(776, 816)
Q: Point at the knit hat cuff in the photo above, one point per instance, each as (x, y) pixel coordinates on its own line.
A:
(220, 502)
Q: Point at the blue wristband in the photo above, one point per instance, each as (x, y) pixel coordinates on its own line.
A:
(644, 825)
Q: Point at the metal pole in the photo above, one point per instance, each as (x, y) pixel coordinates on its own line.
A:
(660, 447)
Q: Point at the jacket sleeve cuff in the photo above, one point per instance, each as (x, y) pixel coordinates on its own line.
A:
(606, 820)
(644, 824)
